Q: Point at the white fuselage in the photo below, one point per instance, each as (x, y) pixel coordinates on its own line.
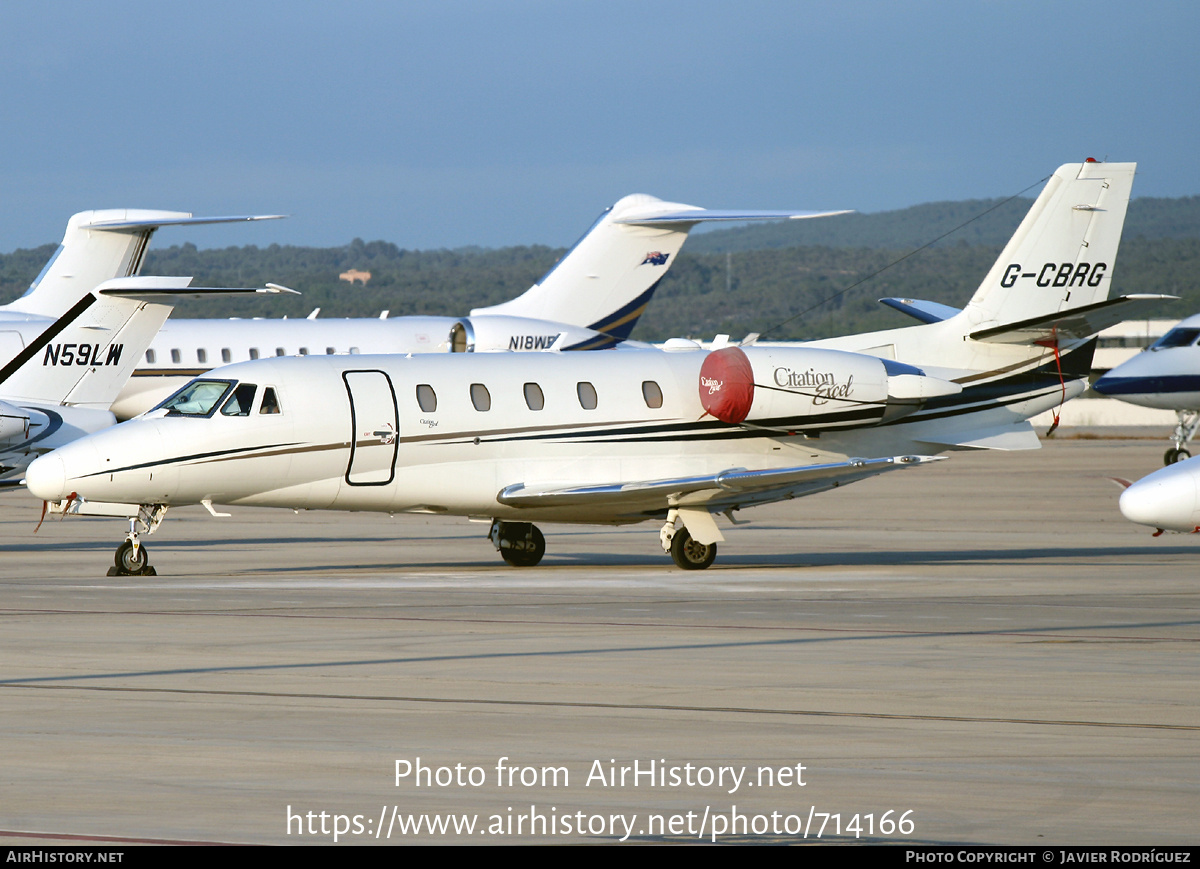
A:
(448, 433)
(184, 349)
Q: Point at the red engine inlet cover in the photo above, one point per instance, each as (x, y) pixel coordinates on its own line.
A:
(727, 384)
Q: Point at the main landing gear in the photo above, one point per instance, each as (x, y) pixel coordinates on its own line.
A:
(685, 551)
(521, 544)
(1189, 421)
(131, 558)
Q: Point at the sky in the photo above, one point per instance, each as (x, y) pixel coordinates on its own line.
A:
(465, 122)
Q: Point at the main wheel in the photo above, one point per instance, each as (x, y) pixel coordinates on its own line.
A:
(690, 555)
(129, 564)
(526, 550)
(1172, 456)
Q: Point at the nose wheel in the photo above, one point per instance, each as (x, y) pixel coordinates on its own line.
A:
(131, 558)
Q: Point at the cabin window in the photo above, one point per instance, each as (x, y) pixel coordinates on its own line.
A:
(270, 403)
(253, 352)
(480, 397)
(149, 357)
(198, 398)
(651, 393)
(587, 395)
(175, 356)
(534, 399)
(353, 351)
(329, 351)
(279, 351)
(303, 351)
(241, 401)
(426, 397)
(226, 356)
(202, 356)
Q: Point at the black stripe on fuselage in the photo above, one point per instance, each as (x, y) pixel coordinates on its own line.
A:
(191, 458)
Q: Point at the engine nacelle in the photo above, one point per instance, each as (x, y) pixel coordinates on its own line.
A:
(486, 333)
(14, 423)
(795, 388)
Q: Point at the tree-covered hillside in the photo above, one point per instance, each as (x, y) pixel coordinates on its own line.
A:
(707, 291)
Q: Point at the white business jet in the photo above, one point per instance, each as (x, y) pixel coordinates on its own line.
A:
(1166, 375)
(678, 436)
(591, 299)
(70, 343)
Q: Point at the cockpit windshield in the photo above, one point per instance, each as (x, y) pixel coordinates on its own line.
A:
(1177, 338)
(198, 398)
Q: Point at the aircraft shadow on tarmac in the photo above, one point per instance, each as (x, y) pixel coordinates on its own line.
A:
(649, 560)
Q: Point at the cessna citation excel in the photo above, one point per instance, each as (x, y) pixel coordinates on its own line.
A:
(678, 436)
(1166, 375)
(70, 343)
(591, 299)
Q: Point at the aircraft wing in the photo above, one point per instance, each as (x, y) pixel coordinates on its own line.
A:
(1082, 322)
(729, 488)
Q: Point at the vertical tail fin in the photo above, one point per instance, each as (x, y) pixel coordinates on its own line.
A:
(606, 280)
(99, 246)
(85, 357)
(1062, 255)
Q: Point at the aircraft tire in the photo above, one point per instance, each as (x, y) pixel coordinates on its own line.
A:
(528, 557)
(128, 564)
(1172, 456)
(690, 555)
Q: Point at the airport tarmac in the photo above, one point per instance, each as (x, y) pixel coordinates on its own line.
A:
(978, 651)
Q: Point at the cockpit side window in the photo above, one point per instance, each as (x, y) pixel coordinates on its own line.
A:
(241, 401)
(1177, 338)
(270, 402)
(198, 398)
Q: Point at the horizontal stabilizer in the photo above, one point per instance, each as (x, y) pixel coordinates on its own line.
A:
(698, 215)
(926, 312)
(1073, 323)
(158, 219)
(138, 288)
(1020, 436)
(725, 487)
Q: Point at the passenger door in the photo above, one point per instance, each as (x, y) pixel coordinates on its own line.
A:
(374, 428)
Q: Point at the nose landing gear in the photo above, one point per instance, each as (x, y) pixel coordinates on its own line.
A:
(132, 559)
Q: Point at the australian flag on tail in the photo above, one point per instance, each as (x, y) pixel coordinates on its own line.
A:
(656, 258)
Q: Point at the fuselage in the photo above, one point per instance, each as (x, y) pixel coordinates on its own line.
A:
(447, 433)
(184, 348)
(1166, 375)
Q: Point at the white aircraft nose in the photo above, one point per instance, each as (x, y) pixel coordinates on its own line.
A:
(1165, 499)
(47, 478)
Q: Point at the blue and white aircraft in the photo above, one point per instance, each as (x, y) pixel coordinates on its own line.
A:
(1166, 375)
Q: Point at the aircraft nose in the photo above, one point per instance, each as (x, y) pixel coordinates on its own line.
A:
(1103, 385)
(47, 478)
(1165, 499)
